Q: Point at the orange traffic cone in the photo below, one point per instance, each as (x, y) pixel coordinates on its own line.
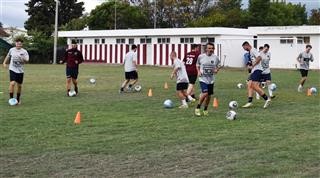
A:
(77, 120)
(150, 92)
(309, 92)
(215, 102)
(165, 85)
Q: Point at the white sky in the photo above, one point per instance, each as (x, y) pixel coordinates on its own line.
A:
(12, 12)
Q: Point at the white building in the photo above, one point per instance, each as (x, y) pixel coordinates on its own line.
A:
(154, 45)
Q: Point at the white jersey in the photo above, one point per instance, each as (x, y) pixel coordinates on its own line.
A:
(129, 60)
(304, 59)
(17, 58)
(182, 76)
(253, 55)
(265, 62)
(207, 66)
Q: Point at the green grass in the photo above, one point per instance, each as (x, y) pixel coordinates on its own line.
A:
(132, 135)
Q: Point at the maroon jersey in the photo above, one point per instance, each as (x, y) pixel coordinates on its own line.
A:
(71, 56)
(190, 60)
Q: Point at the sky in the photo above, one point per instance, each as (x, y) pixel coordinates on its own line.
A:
(12, 12)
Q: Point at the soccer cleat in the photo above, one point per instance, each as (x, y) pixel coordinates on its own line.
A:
(197, 112)
(183, 106)
(205, 113)
(267, 103)
(192, 100)
(273, 96)
(299, 88)
(248, 105)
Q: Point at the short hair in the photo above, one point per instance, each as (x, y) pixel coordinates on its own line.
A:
(245, 43)
(266, 46)
(133, 47)
(261, 48)
(19, 40)
(209, 43)
(308, 46)
(194, 46)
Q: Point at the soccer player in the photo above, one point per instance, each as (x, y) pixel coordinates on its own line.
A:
(190, 61)
(303, 59)
(255, 77)
(17, 56)
(130, 68)
(208, 65)
(266, 73)
(179, 71)
(73, 57)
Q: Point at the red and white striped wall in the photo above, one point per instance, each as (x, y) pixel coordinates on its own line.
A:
(148, 54)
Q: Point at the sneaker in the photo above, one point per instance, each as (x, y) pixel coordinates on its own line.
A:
(299, 88)
(205, 113)
(248, 105)
(197, 112)
(183, 106)
(267, 103)
(192, 100)
(273, 96)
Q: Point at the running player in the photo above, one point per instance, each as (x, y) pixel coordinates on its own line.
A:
(179, 71)
(190, 61)
(303, 59)
(266, 73)
(17, 56)
(130, 69)
(208, 65)
(73, 57)
(255, 77)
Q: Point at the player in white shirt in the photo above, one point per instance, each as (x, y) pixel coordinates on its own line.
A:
(255, 77)
(304, 58)
(265, 63)
(17, 56)
(130, 69)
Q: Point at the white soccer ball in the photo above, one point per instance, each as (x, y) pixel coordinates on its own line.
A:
(72, 93)
(273, 86)
(92, 81)
(313, 90)
(240, 85)
(13, 101)
(231, 115)
(137, 88)
(233, 104)
(168, 103)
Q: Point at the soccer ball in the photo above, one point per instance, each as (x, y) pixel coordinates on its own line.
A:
(231, 115)
(168, 104)
(72, 93)
(137, 88)
(313, 90)
(13, 101)
(233, 105)
(273, 86)
(240, 85)
(92, 81)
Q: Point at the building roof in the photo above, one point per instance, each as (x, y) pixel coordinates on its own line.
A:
(212, 31)
(286, 30)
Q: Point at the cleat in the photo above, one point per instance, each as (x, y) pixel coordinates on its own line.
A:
(299, 88)
(273, 96)
(183, 106)
(192, 100)
(205, 113)
(197, 112)
(267, 103)
(248, 105)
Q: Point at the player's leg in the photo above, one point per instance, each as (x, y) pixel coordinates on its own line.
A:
(74, 78)
(12, 83)
(207, 100)
(134, 79)
(192, 81)
(203, 96)
(250, 93)
(268, 82)
(19, 82)
(125, 82)
(181, 92)
(304, 75)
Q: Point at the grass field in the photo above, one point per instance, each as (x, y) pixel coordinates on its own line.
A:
(132, 135)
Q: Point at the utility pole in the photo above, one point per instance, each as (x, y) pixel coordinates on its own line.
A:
(54, 61)
(115, 14)
(155, 14)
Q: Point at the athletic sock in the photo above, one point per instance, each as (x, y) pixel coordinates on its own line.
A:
(184, 102)
(190, 97)
(265, 97)
(250, 99)
(11, 95)
(121, 89)
(198, 106)
(205, 108)
(18, 96)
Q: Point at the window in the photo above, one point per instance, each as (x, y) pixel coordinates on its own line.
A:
(96, 41)
(145, 40)
(286, 40)
(103, 41)
(186, 40)
(303, 39)
(79, 41)
(120, 41)
(131, 41)
(163, 40)
(207, 40)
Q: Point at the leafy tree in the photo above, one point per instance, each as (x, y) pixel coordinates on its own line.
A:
(258, 10)
(42, 14)
(76, 24)
(314, 19)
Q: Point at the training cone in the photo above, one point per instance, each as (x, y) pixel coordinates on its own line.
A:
(215, 102)
(77, 120)
(150, 92)
(309, 92)
(165, 85)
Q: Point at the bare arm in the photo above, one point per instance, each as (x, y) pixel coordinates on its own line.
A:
(174, 73)
(5, 61)
(258, 60)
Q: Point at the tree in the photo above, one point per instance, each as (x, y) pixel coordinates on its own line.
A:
(257, 11)
(42, 14)
(76, 24)
(314, 19)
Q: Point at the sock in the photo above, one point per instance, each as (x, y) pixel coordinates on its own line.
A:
(130, 85)
(250, 99)
(270, 91)
(198, 106)
(187, 100)
(18, 96)
(11, 95)
(205, 108)
(190, 98)
(184, 102)
(257, 95)
(121, 89)
(300, 86)
(265, 97)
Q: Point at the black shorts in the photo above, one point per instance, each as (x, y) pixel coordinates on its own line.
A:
(72, 72)
(256, 76)
(17, 77)
(304, 73)
(192, 79)
(182, 86)
(131, 75)
(207, 88)
(265, 77)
